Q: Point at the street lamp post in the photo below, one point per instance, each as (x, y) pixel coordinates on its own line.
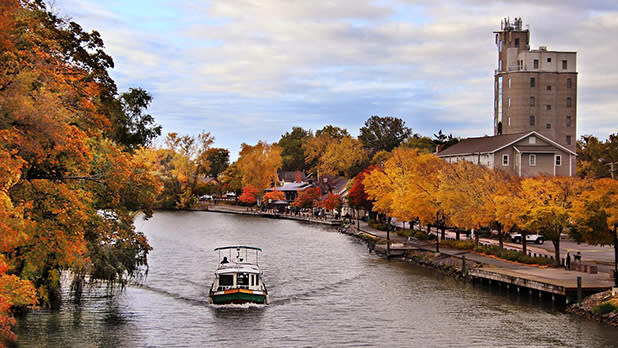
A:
(615, 257)
(437, 230)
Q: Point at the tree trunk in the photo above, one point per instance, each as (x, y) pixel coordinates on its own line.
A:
(443, 229)
(557, 250)
(524, 245)
(457, 234)
(501, 238)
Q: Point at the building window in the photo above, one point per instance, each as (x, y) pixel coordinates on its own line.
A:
(532, 140)
(564, 64)
(505, 160)
(548, 60)
(532, 82)
(536, 64)
(508, 120)
(516, 41)
(509, 101)
(547, 107)
(569, 83)
(568, 121)
(549, 87)
(558, 160)
(569, 102)
(548, 125)
(500, 65)
(509, 82)
(532, 101)
(568, 140)
(532, 160)
(532, 120)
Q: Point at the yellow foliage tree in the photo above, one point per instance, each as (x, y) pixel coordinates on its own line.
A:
(258, 164)
(545, 203)
(342, 156)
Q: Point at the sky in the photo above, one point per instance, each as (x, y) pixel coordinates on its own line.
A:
(250, 70)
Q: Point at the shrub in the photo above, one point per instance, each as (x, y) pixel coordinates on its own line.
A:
(421, 235)
(377, 225)
(604, 308)
(458, 244)
(405, 233)
(513, 255)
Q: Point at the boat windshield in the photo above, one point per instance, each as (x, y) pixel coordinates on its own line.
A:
(226, 280)
(243, 280)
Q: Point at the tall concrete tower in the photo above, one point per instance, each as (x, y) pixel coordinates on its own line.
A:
(535, 90)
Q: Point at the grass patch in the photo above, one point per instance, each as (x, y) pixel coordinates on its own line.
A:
(513, 255)
(377, 225)
(604, 308)
(458, 244)
(405, 233)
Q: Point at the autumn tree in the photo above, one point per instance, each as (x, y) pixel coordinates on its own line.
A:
(316, 147)
(274, 195)
(357, 198)
(467, 192)
(249, 195)
(69, 190)
(344, 156)
(307, 198)
(595, 216)
(383, 133)
(258, 164)
(406, 187)
(231, 178)
(332, 201)
(545, 204)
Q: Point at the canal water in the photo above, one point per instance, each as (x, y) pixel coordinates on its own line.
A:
(326, 290)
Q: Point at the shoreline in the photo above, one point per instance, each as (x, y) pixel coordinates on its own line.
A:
(422, 254)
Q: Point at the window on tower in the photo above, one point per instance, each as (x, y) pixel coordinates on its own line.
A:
(569, 102)
(568, 121)
(549, 87)
(547, 107)
(532, 120)
(536, 64)
(516, 41)
(532, 82)
(548, 60)
(568, 140)
(564, 64)
(569, 83)
(532, 101)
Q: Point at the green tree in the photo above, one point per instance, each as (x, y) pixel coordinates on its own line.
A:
(423, 144)
(383, 133)
(219, 159)
(132, 127)
(292, 153)
(596, 158)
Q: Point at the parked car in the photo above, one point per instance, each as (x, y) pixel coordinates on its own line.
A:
(205, 198)
(536, 238)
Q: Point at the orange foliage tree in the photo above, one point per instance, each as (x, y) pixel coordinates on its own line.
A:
(249, 195)
(331, 202)
(274, 195)
(68, 193)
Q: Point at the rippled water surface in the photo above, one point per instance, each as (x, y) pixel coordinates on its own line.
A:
(326, 290)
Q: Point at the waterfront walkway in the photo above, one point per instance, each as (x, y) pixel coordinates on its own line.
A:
(554, 281)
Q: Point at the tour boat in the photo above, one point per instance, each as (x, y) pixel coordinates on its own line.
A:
(238, 278)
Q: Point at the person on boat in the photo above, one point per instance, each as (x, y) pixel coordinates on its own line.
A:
(224, 260)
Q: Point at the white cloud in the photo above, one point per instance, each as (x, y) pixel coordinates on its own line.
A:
(268, 65)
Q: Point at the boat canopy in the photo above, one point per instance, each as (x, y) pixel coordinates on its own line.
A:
(238, 247)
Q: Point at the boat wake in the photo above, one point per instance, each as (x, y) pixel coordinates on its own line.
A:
(315, 291)
(193, 301)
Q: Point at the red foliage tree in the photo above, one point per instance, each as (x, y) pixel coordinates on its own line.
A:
(249, 195)
(331, 202)
(357, 197)
(307, 198)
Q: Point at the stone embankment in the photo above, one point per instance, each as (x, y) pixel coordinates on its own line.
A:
(591, 307)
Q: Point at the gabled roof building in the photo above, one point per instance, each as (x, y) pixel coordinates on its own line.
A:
(524, 154)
